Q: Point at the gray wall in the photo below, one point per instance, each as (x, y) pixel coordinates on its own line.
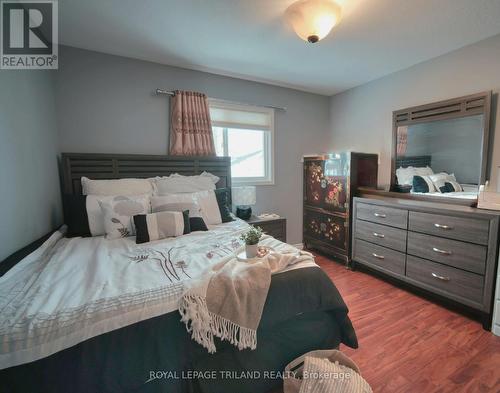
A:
(455, 146)
(30, 196)
(361, 118)
(105, 104)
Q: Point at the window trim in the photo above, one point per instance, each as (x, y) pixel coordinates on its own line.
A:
(269, 142)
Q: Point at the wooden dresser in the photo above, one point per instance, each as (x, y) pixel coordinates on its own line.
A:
(449, 250)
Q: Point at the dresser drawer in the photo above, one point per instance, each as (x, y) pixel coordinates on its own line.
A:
(379, 257)
(467, 229)
(471, 257)
(383, 235)
(274, 228)
(382, 215)
(451, 281)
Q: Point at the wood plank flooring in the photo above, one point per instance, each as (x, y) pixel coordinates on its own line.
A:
(410, 344)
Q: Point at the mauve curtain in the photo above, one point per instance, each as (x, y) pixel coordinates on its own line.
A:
(190, 125)
(402, 140)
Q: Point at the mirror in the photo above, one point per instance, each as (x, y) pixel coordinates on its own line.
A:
(440, 149)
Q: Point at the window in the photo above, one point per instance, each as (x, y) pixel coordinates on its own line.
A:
(246, 134)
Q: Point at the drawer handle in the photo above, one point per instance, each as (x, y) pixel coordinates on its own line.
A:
(378, 235)
(440, 226)
(442, 278)
(439, 251)
(380, 215)
(378, 256)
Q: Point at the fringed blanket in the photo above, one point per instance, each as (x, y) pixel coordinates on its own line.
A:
(227, 301)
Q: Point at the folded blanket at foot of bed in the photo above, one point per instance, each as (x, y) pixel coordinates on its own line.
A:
(227, 300)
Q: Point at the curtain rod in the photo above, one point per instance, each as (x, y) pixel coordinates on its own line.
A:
(159, 92)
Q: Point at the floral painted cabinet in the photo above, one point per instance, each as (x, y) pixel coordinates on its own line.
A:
(329, 184)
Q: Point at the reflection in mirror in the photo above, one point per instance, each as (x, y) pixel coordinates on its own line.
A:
(442, 157)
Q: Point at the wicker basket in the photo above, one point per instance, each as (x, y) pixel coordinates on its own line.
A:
(293, 370)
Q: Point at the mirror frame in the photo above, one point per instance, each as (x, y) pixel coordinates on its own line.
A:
(474, 104)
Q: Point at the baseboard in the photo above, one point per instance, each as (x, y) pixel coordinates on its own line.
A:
(496, 329)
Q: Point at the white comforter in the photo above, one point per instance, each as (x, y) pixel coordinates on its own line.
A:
(70, 290)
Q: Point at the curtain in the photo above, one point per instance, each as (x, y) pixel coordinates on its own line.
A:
(402, 140)
(190, 125)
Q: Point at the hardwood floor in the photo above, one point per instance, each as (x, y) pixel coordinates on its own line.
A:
(410, 344)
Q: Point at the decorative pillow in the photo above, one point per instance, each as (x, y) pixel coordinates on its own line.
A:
(440, 180)
(156, 226)
(76, 217)
(450, 186)
(114, 217)
(222, 196)
(116, 187)
(179, 203)
(422, 184)
(177, 184)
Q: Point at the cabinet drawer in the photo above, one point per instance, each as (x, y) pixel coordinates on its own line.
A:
(276, 229)
(326, 228)
(471, 257)
(382, 215)
(383, 235)
(452, 282)
(380, 257)
(467, 229)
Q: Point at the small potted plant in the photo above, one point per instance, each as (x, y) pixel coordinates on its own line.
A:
(251, 239)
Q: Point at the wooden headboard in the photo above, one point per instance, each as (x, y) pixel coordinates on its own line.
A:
(121, 166)
(414, 161)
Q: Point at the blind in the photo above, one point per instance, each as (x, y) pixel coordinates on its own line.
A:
(238, 117)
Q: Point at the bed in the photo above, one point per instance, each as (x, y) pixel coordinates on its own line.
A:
(144, 346)
(468, 191)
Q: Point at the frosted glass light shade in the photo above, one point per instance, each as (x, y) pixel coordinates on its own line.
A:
(244, 196)
(312, 20)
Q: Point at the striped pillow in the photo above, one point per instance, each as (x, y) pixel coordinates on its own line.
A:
(161, 225)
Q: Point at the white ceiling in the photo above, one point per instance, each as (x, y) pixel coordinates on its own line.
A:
(250, 39)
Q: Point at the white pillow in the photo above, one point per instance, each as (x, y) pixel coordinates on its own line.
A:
(209, 207)
(96, 215)
(116, 187)
(206, 200)
(176, 202)
(424, 171)
(214, 178)
(183, 184)
(405, 175)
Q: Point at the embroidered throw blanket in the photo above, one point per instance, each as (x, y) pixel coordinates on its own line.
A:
(227, 301)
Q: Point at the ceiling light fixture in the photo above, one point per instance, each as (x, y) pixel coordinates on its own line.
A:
(312, 20)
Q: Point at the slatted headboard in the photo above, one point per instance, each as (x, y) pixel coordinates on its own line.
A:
(120, 166)
(414, 161)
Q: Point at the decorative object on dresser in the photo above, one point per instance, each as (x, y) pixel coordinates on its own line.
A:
(275, 227)
(447, 250)
(330, 182)
(244, 198)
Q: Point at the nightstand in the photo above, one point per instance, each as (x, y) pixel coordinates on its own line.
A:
(275, 227)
